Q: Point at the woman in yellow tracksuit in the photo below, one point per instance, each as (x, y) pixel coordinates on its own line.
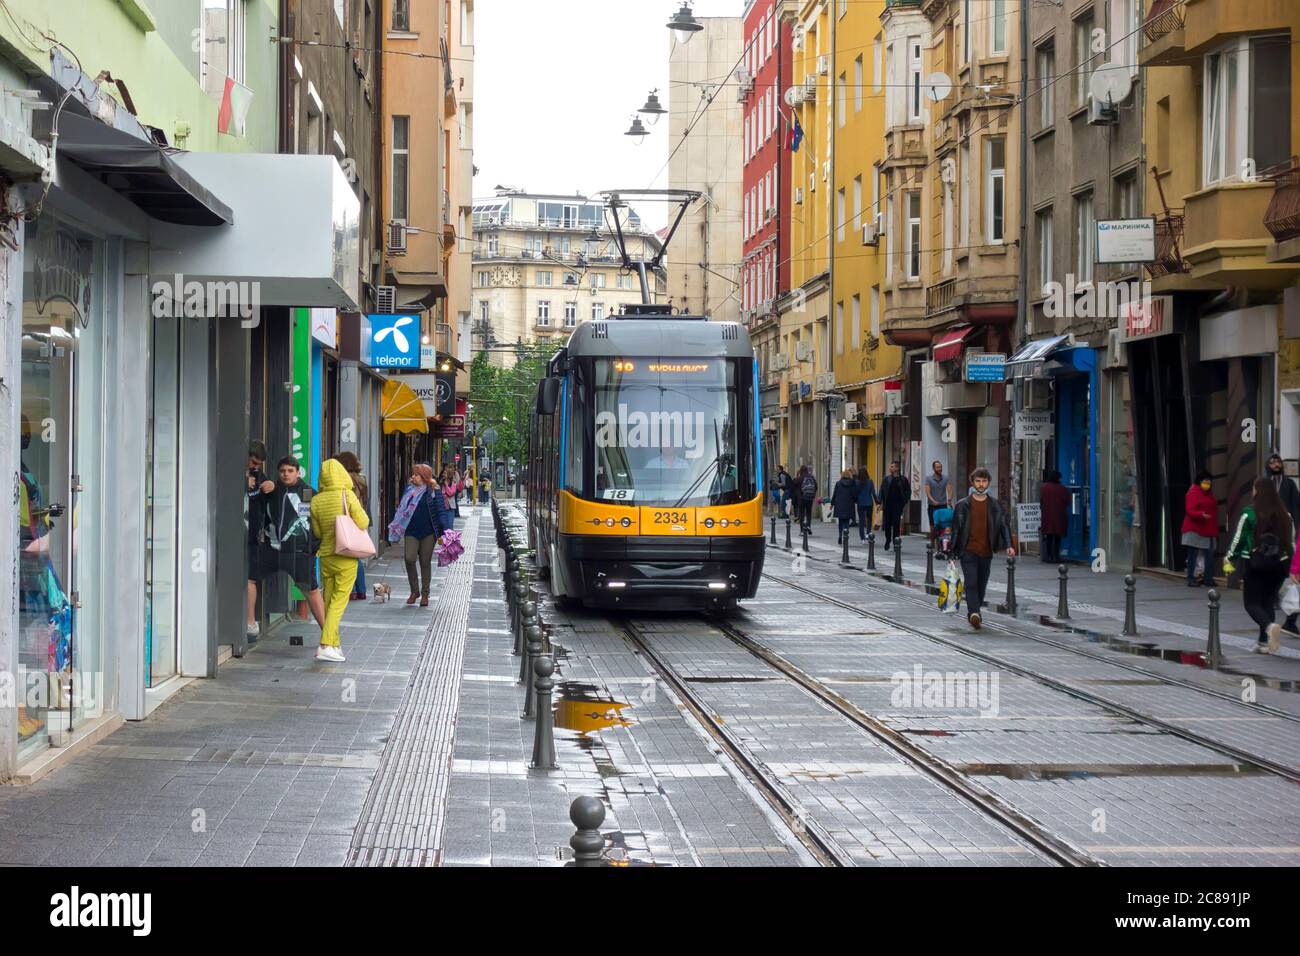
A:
(337, 573)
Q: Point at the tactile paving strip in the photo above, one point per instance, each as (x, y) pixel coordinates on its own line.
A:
(402, 819)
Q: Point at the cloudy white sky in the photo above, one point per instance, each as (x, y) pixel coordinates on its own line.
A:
(556, 84)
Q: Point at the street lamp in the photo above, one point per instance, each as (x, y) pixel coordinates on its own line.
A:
(684, 25)
(653, 108)
(638, 130)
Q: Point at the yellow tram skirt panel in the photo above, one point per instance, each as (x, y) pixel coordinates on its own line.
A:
(578, 516)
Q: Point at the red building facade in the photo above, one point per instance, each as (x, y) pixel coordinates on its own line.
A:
(765, 272)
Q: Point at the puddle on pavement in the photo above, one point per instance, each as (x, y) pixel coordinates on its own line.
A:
(586, 709)
(1085, 771)
(1139, 648)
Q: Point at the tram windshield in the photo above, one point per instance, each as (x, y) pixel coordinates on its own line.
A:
(669, 431)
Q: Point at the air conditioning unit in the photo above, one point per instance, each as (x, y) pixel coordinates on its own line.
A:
(870, 235)
(396, 239)
(798, 195)
(824, 381)
(1102, 114)
(851, 411)
(780, 362)
(385, 299)
(771, 212)
(767, 307)
(802, 351)
(810, 87)
(823, 65)
(769, 425)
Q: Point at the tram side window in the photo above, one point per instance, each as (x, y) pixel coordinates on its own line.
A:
(573, 476)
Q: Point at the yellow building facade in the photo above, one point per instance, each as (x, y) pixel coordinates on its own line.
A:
(864, 365)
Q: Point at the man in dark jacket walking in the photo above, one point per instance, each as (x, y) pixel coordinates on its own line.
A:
(806, 489)
(895, 493)
(783, 482)
(980, 527)
(283, 509)
(844, 503)
(1054, 516)
(1290, 495)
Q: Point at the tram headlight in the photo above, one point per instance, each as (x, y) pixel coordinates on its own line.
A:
(708, 522)
(627, 522)
(609, 522)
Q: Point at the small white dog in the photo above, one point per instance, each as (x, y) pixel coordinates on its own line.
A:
(382, 593)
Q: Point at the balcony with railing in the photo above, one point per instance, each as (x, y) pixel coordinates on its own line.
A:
(1282, 217)
(1163, 34)
(1169, 241)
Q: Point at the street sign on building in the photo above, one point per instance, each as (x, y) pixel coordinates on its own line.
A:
(1126, 240)
(1033, 426)
(394, 340)
(1146, 318)
(982, 367)
(428, 356)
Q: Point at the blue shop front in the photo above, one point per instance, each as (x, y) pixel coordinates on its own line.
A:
(1069, 377)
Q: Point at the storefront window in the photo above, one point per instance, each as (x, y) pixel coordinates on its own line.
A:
(59, 279)
(161, 530)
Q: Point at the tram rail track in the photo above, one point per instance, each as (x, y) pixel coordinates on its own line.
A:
(997, 626)
(1246, 757)
(1048, 845)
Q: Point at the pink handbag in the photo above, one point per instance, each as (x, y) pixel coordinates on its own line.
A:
(349, 540)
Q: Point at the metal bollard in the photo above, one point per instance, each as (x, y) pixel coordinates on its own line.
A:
(544, 732)
(1213, 652)
(1130, 610)
(1062, 600)
(587, 814)
(527, 617)
(530, 662)
(803, 529)
(871, 550)
(788, 545)
(1011, 585)
(929, 562)
(774, 529)
(844, 548)
(898, 559)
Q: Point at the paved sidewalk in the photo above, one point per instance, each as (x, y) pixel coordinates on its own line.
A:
(269, 764)
(1164, 605)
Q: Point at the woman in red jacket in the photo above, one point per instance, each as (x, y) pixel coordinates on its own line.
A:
(1200, 530)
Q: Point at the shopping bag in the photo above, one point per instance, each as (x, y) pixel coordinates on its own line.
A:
(349, 540)
(1290, 602)
(449, 548)
(951, 589)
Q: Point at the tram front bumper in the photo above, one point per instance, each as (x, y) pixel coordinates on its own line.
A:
(625, 571)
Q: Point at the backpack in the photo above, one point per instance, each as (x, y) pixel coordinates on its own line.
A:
(808, 487)
(1266, 551)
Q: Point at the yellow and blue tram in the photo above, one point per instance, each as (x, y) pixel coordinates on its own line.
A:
(645, 479)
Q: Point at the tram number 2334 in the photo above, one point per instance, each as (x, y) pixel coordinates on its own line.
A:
(671, 517)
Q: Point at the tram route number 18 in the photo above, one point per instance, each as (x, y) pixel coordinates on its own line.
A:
(619, 494)
(670, 517)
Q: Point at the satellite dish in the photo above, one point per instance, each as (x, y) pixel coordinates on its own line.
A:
(938, 86)
(789, 97)
(1111, 83)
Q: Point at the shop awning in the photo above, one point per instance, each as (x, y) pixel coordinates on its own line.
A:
(402, 409)
(951, 344)
(1027, 360)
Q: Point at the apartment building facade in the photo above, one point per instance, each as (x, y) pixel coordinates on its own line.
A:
(866, 369)
(1212, 365)
(804, 311)
(543, 264)
(704, 257)
(761, 85)
(950, 228)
